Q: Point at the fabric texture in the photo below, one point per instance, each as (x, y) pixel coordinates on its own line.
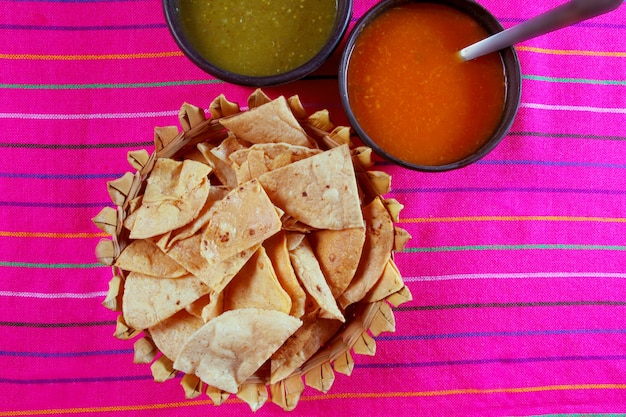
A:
(517, 263)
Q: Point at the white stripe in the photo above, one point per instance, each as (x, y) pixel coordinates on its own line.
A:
(558, 107)
(87, 116)
(26, 294)
(517, 275)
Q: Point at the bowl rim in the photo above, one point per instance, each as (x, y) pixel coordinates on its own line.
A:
(342, 21)
(510, 62)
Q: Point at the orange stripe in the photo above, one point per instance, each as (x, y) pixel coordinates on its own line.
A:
(370, 395)
(106, 409)
(474, 391)
(53, 235)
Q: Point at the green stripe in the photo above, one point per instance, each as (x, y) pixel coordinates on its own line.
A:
(514, 247)
(50, 266)
(573, 80)
(106, 85)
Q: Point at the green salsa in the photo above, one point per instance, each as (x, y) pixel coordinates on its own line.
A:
(258, 37)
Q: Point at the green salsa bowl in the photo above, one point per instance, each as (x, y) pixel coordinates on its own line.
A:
(258, 42)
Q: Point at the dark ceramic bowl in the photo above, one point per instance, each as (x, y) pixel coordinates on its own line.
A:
(342, 20)
(510, 63)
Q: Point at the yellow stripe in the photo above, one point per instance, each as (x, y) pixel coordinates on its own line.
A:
(91, 57)
(514, 219)
(571, 52)
(364, 395)
(53, 235)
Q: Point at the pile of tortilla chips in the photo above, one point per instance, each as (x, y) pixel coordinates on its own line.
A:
(252, 250)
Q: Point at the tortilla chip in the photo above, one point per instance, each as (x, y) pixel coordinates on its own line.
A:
(148, 300)
(223, 352)
(379, 240)
(276, 247)
(275, 155)
(279, 125)
(303, 344)
(244, 218)
(175, 194)
(216, 193)
(195, 308)
(171, 334)
(260, 158)
(310, 275)
(256, 286)
(214, 308)
(339, 253)
(320, 191)
(223, 170)
(145, 257)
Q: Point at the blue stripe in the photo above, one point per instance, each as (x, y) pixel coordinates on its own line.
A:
(501, 334)
(81, 146)
(75, 380)
(552, 163)
(51, 205)
(507, 189)
(66, 354)
(584, 24)
(567, 135)
(59, 176)
(460, 362)
(83, 28)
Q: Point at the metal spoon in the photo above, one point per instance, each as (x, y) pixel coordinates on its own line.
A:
(567, 14)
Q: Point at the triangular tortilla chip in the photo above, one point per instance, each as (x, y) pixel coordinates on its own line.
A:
(338, 252)
(242, 219)
(310, 275)
(187, 253)
(175, 194)
(171, 334)
(320, 191)
(148, 300)
(303, 344)
(279, 124)
(275, 155)
(264, 157)
(145, 257)
(276, 248)
(214, 308)
(256, 286)
(216, 193)
(195, 308)
(223, 170)
(224, 353)
(379, 240)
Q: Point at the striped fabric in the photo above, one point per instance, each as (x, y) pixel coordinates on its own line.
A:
(517, 263)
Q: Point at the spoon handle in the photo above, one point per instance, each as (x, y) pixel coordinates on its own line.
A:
(567, 14)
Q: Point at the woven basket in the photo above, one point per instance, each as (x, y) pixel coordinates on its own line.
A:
(363, 319)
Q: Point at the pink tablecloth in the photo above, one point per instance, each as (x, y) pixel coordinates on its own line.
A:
(517, 263)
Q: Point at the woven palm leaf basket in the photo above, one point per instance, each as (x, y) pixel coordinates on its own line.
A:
(252, 251)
